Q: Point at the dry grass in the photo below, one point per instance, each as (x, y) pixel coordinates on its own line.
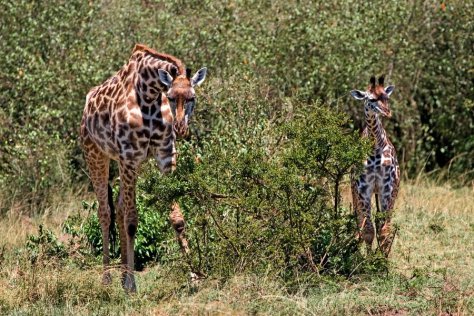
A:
(437, 229)
(432, 272)
(17, 223)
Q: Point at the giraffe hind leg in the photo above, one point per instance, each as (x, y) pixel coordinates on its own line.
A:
(129, 224)
(120, 220)
(112, 228)
(366, 227)
(98, 165)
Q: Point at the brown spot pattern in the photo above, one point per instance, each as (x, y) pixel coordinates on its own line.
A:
(128, 119)
(381, 177)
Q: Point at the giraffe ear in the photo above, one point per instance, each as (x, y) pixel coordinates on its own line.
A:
(389, 90)
(165, 77)
(358, 95)
(199, 77)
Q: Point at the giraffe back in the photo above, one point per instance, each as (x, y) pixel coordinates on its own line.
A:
(128, 117)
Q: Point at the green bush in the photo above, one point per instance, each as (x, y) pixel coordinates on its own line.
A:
(45, 245)
(251, 207)
(155, 241)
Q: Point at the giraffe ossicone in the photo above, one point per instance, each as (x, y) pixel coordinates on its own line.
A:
(134, 115)
(381, 174)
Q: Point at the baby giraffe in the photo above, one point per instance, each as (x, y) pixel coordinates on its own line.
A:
(381, 174)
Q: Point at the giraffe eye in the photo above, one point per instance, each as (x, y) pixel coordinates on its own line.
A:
(372, 100)
(173, 100)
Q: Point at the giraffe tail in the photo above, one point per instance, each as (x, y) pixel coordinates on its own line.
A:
(377, 203)
(112, 227)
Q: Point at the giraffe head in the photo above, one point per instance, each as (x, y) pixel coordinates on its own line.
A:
(376, 97)
(181, 96)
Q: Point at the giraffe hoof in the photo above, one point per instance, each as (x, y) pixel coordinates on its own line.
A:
(195, 277)
(128, 283)
(106, 278)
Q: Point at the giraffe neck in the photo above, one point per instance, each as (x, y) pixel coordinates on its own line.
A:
(375, 129)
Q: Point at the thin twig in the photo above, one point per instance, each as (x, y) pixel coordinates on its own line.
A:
(220, 196)
(222, 232)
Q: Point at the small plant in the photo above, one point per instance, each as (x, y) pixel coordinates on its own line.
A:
(153, 234)
(45, 245)
(436, 228)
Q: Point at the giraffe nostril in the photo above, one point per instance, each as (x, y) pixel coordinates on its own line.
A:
(180, 128)
(176, 126)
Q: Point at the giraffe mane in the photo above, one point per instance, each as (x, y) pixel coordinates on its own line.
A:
(169, 58)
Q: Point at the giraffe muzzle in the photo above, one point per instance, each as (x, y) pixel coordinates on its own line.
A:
(387, 113)
(180, 128)
(384, 110)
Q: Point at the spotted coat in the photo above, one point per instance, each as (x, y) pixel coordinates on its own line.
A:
(381, 175)
(134, 115)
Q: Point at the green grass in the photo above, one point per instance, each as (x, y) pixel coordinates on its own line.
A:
(431, 272)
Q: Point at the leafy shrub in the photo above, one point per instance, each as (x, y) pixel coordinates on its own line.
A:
(251, 209)
(45, 245)
(154, 242)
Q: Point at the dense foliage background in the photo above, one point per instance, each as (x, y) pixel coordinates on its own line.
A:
(278, 83)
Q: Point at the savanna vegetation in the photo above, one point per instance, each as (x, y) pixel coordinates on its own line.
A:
(263, 177)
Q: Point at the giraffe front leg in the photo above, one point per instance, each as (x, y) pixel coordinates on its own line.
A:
(385, 237)
(384, 230)
(178, 223)
(166, 160)
(361, 200)
(390, 187)
(366, 228)
(385, 234)
(128, 177)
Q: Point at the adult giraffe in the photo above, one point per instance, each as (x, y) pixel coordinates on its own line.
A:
(134, 115)
(381, 173)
